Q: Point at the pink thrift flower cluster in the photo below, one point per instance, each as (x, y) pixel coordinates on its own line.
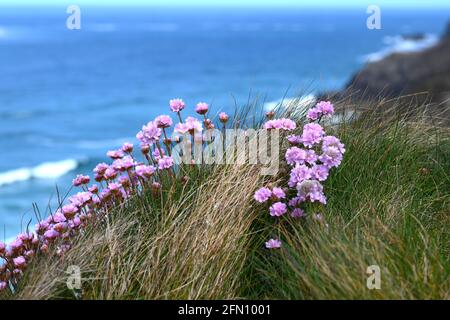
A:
(116, 182)
(310, 157)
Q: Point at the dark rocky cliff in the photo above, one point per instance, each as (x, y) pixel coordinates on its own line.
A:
(426, 73)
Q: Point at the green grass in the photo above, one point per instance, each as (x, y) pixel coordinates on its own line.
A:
(388, 205)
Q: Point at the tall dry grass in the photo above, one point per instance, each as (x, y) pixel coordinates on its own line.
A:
(194, 248)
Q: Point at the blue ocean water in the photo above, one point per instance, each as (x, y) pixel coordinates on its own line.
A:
(67, 96)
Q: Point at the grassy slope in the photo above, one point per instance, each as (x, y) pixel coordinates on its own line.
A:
(388, 205)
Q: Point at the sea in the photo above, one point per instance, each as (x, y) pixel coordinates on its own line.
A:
(68, 96)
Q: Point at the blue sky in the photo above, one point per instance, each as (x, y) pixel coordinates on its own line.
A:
(239, 3)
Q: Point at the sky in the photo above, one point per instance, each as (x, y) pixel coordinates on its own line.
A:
(406, 4)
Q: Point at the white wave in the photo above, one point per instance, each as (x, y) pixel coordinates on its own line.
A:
(398, 44)
(46, 170)
(303, 102)
(102, 144)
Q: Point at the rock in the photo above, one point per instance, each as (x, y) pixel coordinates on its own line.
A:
(426, 73)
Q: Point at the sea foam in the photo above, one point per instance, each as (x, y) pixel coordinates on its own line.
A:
(46, 170)
(398, 44)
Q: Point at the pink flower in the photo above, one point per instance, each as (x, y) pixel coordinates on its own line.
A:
(311, 157)
(93, 189)
(101, 168)
(284, 124)
(110, 173)
(331, 157)
(296, 201)
(163, 121)
(278, 193)
(201, 108)
(332, 141)
(124, 181)
(2, 248)
(193, 125)
(297, 213)
(313, 114)
(298, 174)
(295, 155)
(41, 227)
(114, 187)
(59, 217)
(325, 107)
(176, 105)
(60, 227)
(81, 198)
(150, 133)
(51, 234)
(69, 211)
(319, 172)
(80, 180)
(277, 209)
(311, 190)
(262, 195)
(123, 164)
(223, 117)
(273, 244)
(294, 140)
(115, 154)
(16, 245)
(181, 128)
(75, 223)
(145, 171)
(165, 162)
(312, 134)
(127, 147)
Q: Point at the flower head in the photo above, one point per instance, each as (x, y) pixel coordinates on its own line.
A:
(100, 168)
(176, 105)
(262, 195)
(298, 174)
(223, 117)
(278, 193)
(273, 244)
(283, 124)
(163, 121)
(165, 162)
(115, 154)
(311, 190)
(295, 155)
(150, 133)
(193, 125)
(19, 262)
(325, 107)
(331, 157)
(312, 134)
(127, 147)
(201, 108)
(145, 171)
(278, 209)
(80, 180)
